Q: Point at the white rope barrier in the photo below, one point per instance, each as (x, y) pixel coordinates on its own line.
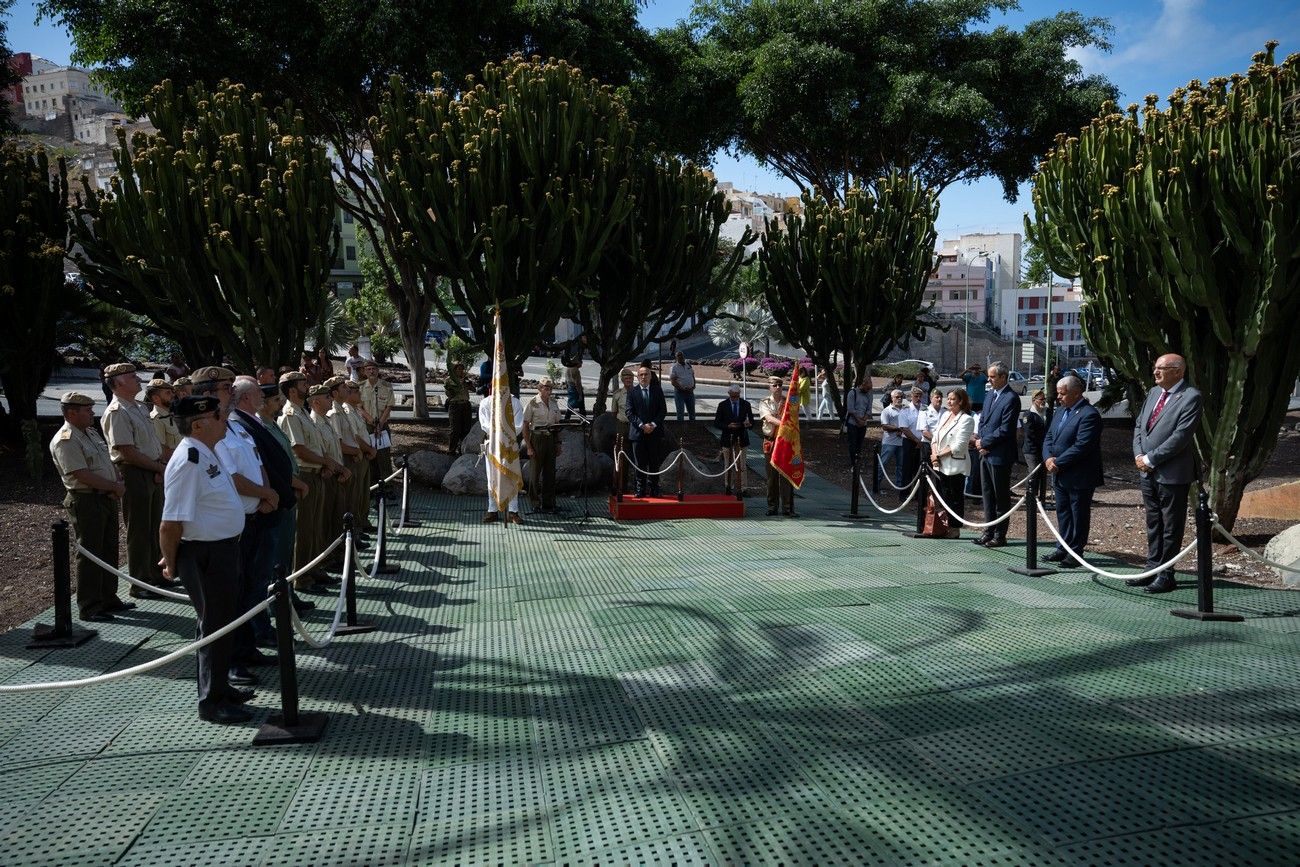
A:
(1191, 546)
(1251, 553)
(394, 474)
(1027, 478)
(963, 521)
(884, 474)
(170, 594)
(915, 487)
(739, 454)
(349, 554)
(671, 464)
(147, 666)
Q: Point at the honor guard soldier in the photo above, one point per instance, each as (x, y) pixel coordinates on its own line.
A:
(94, 489)
(335, 487)
(137, 453)
(780, 493)
(200, 546)
(308, 447)
(160, 395)
(355, 457)
(361, 476)
(542, 442)
(377, 400)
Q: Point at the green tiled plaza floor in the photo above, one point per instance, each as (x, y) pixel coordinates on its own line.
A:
(810, 691)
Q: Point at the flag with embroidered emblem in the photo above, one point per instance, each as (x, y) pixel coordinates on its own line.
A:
(505, 477)
(787, 451)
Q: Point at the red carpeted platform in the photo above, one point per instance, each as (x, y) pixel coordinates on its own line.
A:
(659, 508)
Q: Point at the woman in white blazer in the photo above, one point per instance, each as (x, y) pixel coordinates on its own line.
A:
(950, 450)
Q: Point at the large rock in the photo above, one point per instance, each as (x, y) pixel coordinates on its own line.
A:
(472, 444)
(1284, 548)
(1280, 502)
(429, 468)
(604, 427)
(467, 475)
(569, 465)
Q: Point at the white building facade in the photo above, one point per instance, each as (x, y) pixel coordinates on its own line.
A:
(1025, 313)
(1003, 251)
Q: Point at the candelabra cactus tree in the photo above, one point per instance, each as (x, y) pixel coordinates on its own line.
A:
(657, 278)
(221, 229)
(1184, 226)
(33, 235)
(511, 188)
(851, 279)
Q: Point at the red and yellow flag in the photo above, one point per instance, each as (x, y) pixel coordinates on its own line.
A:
(787, 451)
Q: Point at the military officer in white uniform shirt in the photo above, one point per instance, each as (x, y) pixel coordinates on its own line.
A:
(201, 522)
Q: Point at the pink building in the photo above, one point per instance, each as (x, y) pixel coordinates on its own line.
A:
(960, 286)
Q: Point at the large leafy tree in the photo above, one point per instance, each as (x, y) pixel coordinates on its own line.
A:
(220, 229)
(33, 235)
(1184, 225)
(660, 273)
(850, 279)
(511, 187)
(833, 93)
(333, 59)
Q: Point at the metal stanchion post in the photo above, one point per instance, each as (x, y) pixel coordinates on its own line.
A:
(352, 625)
(381, 541)
(922, 497)
(620, 468)
(289, 726)
(855, 486)
(62, 633)
(406, 494)
(1205, 567)
(681, 473)
(1031, 567)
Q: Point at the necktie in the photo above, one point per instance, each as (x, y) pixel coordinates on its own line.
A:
(735, 410)
(1155, 413)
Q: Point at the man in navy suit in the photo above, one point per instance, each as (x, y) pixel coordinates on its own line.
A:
(734, 418)
(996, 441)
(646, 410)
(1165, 455)
(1072, 454)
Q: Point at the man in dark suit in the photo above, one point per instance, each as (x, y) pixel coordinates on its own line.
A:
(1072, 454)
(1165, 456)
(734, 418)
(646, 410)
(996, 441)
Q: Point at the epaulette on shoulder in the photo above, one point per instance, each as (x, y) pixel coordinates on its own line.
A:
(193, 455)
(64, 434)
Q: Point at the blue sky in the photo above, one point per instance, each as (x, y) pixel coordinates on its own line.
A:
(1158, 45)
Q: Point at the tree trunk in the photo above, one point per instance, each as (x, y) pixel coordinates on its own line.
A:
(605, 377)
(1227, 486)
(414, 324)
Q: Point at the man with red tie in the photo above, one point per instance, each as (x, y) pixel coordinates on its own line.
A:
(1165, 456)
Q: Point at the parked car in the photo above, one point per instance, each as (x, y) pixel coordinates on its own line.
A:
(1017, 381)
(436, 336)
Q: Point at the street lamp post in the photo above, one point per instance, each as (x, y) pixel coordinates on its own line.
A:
(965, 353)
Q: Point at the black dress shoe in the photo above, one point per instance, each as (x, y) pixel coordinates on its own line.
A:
(255, 658)
(302, 606)
(239, 696)
(119, 605)
(791, 513)
(168, 584)
(981, 540)
(225, 714)
(137, 593)
(995, 543)
(1163, 584)
(98, 617)
(1055, 557)
(1140, 582)
(240, 676)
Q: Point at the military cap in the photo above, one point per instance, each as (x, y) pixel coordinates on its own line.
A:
(318, 391)
(776, 380)
(292, 376)
(119, 368)
(188, 407)
(76, 398)
(155, 384)
(212, 374)
(270, 390)
(335, 381)
(181, 382)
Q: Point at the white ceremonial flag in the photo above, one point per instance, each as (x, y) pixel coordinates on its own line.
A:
(505, 478)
